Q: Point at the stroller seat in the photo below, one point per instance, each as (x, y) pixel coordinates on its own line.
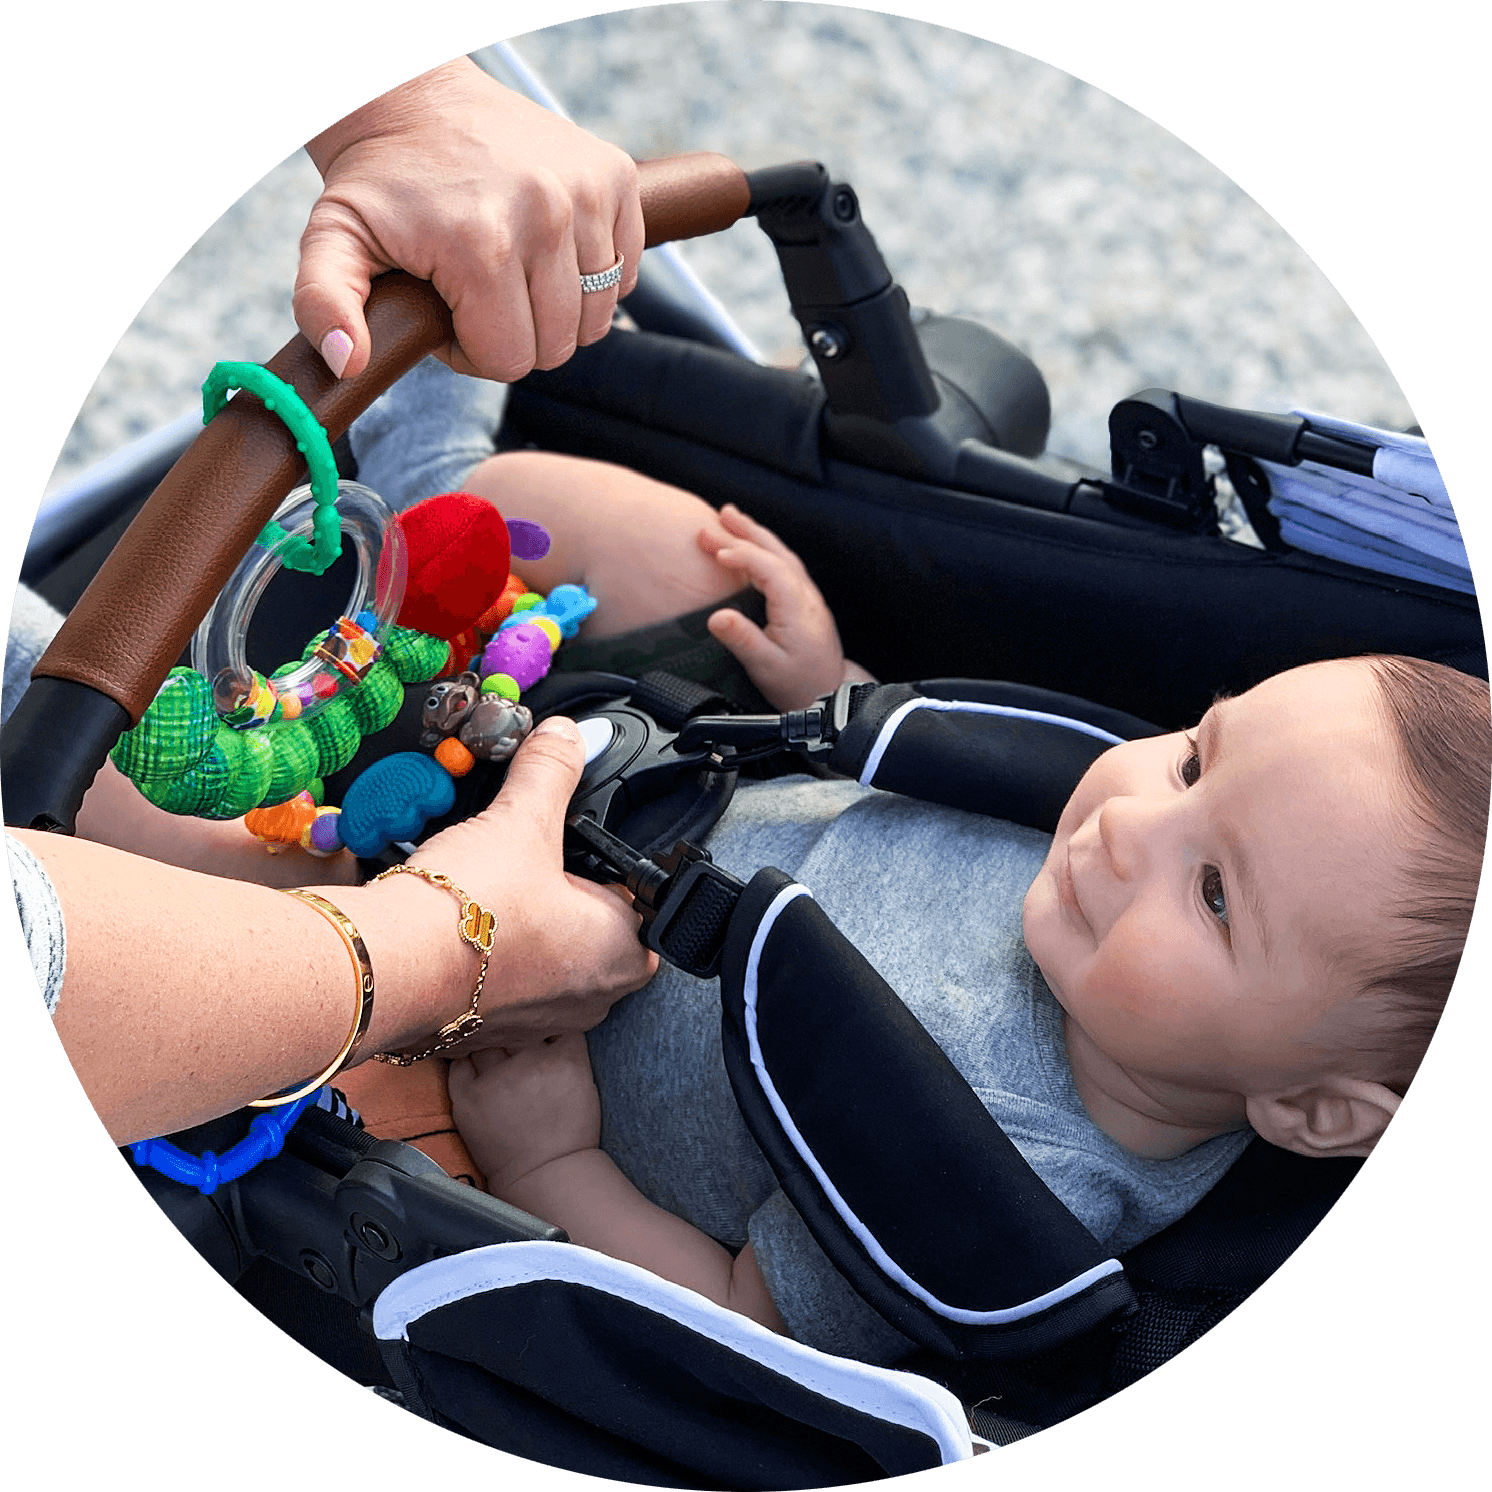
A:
(1021, 1316)
(881, 499)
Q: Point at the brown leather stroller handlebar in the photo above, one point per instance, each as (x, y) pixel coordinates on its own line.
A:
(132, 623)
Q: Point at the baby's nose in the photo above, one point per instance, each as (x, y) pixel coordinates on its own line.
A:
(1125, 827)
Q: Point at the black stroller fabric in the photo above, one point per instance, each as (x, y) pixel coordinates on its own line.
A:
(896, 1167)
(643, 1381)
(921, 577)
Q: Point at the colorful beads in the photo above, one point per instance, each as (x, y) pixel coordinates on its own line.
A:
(323, 836)
(567, 605)
(523, 653)
(245, 706)
(501, 609)
(283, 823)
(501, 683)
(300, 820)
(186, 759)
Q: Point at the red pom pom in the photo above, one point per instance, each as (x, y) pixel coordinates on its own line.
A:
(458, 562)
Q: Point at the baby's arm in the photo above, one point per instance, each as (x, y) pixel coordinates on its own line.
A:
(532, 1121)
(115, 812)
(797, 656)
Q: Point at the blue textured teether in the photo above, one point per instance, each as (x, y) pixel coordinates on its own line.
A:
(393, 800)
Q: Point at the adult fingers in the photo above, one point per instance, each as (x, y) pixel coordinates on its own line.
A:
(608, 230)
(558, 307)
(541, 779)
(337, 265)
(491, 315)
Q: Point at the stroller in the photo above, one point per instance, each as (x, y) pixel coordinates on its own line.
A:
(910, 465)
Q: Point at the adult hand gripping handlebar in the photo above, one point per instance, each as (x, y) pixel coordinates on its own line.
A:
(133, 622)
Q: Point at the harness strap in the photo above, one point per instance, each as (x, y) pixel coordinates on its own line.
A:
(900, 1173)
(909, 1185)
(1004, 750)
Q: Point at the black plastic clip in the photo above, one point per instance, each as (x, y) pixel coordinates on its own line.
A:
(684, 898)
(809, 733)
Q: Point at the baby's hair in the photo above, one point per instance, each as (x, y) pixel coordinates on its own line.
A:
(1443, 723)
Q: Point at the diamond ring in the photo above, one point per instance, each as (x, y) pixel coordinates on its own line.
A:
(607, 279)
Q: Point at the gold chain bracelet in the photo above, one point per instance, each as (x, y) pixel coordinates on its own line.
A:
(478, 927)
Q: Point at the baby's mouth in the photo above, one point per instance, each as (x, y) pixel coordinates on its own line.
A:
(1066, 891)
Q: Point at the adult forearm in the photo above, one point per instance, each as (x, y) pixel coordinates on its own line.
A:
(186, 995)
(115, 812)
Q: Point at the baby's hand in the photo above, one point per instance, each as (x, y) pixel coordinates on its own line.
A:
(797, 656)
(520, 1110)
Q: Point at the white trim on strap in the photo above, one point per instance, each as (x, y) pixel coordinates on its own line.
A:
(872, 1245)
(899, 1398)
(895, 720)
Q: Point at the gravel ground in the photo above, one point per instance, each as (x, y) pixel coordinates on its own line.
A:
(997, 186)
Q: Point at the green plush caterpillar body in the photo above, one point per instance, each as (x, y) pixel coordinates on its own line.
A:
(186, 760)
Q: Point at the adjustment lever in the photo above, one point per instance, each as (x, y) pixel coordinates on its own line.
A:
(684, 898)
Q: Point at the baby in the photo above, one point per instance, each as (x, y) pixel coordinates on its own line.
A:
(1247, 928)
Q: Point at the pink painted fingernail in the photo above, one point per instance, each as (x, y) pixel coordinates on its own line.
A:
(336, 348)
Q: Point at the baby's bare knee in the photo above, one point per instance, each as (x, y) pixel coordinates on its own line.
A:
(632, 540)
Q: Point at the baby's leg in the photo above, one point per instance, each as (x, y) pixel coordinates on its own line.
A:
(631, 541)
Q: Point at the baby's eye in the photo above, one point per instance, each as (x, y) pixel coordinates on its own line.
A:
(1212, 893)
(1190, 767)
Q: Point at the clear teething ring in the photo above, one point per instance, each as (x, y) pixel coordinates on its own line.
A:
(350, 645)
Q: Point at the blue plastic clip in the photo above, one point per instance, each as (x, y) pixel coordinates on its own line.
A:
(264, 1141)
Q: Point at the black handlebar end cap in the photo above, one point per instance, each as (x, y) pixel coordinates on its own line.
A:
(53, 745)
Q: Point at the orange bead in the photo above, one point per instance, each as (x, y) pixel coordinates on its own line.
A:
(502, 608)
(282, 823)
(454, 757)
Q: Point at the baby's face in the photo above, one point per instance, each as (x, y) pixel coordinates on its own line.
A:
(1205, 895)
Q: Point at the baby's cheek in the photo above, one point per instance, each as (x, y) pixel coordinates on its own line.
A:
(1140, 987)
(1051, 943)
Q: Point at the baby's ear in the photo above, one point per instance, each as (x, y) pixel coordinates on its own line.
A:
(1334, 1116)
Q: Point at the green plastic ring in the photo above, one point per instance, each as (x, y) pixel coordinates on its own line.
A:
(312, 556)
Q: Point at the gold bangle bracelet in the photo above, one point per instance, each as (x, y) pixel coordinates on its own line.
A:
(362, 1017)
(477, 927)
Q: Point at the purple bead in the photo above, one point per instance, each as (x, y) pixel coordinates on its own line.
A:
(523, 653)
(325, 833)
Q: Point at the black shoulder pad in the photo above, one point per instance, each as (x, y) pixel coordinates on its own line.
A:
(898, 1170)
(1015, 758)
